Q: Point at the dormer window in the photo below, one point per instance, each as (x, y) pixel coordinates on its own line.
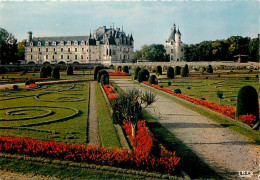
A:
(62, 43)
(76, 42)
(69, 42)
(82, 42)
(31, 44)
(46, 43)
(54, 43)
(39, 43)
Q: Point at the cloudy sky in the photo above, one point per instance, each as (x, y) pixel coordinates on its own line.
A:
(149, 22)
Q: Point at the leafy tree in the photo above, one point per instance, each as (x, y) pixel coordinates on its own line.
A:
(154, 52)
(8, 47)
(69, 70)
(170, 72)
(220, 96)
(143, 75)
(126, 69)
(3, 70)
(21, 50)
(254, 49)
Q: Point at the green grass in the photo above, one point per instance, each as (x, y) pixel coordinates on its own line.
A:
(107, 132)
(221, 119)
(200, 87)
(72, 130)
(61, 171)
(190, 162)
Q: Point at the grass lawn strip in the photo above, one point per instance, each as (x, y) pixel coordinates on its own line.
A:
(107, 132)
(67, 169)
(224, 121)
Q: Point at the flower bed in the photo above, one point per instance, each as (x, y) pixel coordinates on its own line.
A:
(109, 90)
(84, 153)
(228, 111)
(118, 73)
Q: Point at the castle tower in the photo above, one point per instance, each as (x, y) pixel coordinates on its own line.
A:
(29, 36)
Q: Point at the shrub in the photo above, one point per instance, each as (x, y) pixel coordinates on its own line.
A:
(43, 72)
(159, 70)
(104, 79)
(48, 71)
(100, 73)
(209, 69)
(15, 87)
(177, 91)
(169, 83)
(153, 79)
(119, 68)
(220, 96)
(187, 68)
(247, 102)
(3, 70)
(69, 70)
(148, 98)
(170, 72)
(256, 76)
(143, 75)
(96, 69)
(126, 69)
(24, 72)
(184, 72)
(28, 82)
(56, 73)
(177, 70)
(247, 78)
(136, 72)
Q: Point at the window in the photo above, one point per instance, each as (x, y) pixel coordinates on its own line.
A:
(68, 57)
(87, 57)
(54, 49)
(61, 56)
(76, 42)
(47, 57)
(39, 43)
(109, 52)
(68, 49)
(87, 50)
(81, 56)
(82, 49)
(31, 43)
(39, 49)
(61, 49)
(54, 43)
(31, 57)
(31, 49)
(46, 49)
(171, 42)
(46, 43)
(171, 50)
(69, 43)
(61, 43)
(52, 56)
(82, 42)
(76, 56)
(76, 49)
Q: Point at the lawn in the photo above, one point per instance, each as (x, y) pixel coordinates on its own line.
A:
(51, 112)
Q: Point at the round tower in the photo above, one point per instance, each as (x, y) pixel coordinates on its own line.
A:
(29, 36)
(178, 37)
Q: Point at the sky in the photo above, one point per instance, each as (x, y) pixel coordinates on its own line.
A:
(149, 21)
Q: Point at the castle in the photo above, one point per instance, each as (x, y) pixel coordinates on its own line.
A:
(174, 45)
(105, 45)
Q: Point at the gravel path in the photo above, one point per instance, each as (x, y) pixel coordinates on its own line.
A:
(93, 123)
(6, 175)
(224, 150)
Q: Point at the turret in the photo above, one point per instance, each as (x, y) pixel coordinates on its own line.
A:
(29, 36)
(178, 36)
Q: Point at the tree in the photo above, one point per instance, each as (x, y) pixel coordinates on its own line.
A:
(170, 72)
(137, 69)
(96, 69)
(153, 79)
(56, 73)
(154, 52)
(43, 72)
(177, 70)
(104, 79)
(247, 102)
(126, 69)
(21, 50)
(159, 70)
(220, 96)
(8, 47)
(184, 72)
(209, 69)
(69, 70)
(100, 73)
(254, 49)
(143, 75)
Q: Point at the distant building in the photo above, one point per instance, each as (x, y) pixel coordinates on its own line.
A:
(106, 45)
(174, 45)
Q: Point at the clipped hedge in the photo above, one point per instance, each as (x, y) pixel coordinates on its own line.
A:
(153, 79)
(170, 72)
(100, 73)
(96, 70)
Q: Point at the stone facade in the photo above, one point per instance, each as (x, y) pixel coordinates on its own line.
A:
(105, 45)
(174, 45)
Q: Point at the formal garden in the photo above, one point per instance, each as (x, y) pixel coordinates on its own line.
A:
(48, 117)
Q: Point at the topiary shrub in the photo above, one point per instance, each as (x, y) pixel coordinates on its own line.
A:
(186, 68)
(143, 75)
(184, 72)
(177, 91)
(153, 79)
(96, 69)
(256, 76)
(177, 70)
(104, 79)
(126, 69)
(119, 68)
(56, 73)
(209, 69)
(247, 102)
(15, 87)
(246, 78)
(100, 73)
(159, 70)
(136, 72)
(69, 70)
(43, 72)
(48, 71)
(170, 72)
(169, 83)
(3, 70)
(28, 82)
